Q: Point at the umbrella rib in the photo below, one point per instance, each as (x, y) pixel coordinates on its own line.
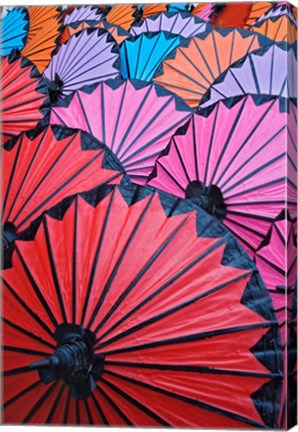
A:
(260, 149)
(66, 409)
(99, 410)
(191, 368)
(27, 351)
(89, 415)
(115, 407)
(205, 62)
(171, 176)
(232, 48)
(16, 371)
(119, 261)
(96, 257)
(55, 405)
(21, 393)
(212, 136)
(255, 188)
(136, 403)
(37, 290)
(188, 400)
(84, 112)
(74, 264)
(27, 308)
(27, 171)
(27, 333)
(78, 417)
(182, 161)
(119, 113)
(141, 273)
(167, 313)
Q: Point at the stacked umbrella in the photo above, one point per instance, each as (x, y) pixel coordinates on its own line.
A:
(145, 211)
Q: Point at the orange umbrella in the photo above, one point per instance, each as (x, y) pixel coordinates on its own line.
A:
(44, 30)
(122, 15)
(192, 69)
(151, 9)
(281, 29)
(240, 14)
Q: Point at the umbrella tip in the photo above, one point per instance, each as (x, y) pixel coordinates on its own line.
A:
(46, 363)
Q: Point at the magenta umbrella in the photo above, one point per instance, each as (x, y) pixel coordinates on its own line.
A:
(88, 57)
(234, 160)
(270, 70)
(182, 24)
(134, 119)
(276, 260)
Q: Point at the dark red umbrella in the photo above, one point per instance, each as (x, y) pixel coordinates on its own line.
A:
(23, 96)
(119, 299)
(45, 167)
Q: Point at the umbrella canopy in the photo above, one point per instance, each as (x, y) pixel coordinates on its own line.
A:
(142, 55)
(270, 70)
(122, 15)
(112, 274)
(149, 9)
(192, 70)
(276, 260)
(203, 10)
(234, 157)
(182, 24)
(83, 13)
(44, 32)
(14, 30)
(241, 15)
(86, 58)
(279, 29)
(118, 33)
(134, 119)
(24, 96)
(39, 171)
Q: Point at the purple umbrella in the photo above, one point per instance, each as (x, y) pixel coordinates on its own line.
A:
(88, 57)
(182, 24)
(268, 71)
(83, 13)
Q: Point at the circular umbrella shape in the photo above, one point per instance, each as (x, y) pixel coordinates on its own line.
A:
(14, 30)
(86, 58)
(40, 171)
(119, 269)
(134, 119)
(271, 71)
(83, 13)
(235, 157)
(142, 55)
(182, 24)
(44, 32)
(279, 29)
(203, 10)
(190, 71)
(117, 32)
(23, 97)
(241, 15)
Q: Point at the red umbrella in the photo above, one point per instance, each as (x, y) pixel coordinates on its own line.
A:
(23, 96)
(122, 294)
(42, 169)
(133, 118)
(235, 158)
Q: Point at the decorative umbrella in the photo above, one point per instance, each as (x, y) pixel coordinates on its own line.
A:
(23, 97)
(14, 30)
(192, 70)
(97, 298)
(241, 15)
(142, 55)
(88, 57)
(43, 35)
(182, 24)
(118, 33)
(133, 118)
(83, 13)
(203, 10)
(235, 158)
(270, 70)
(42, 169)
(279, 29)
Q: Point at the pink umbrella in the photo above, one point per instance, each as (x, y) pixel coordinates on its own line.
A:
(277, 261)
(134, 119)
(234, 160)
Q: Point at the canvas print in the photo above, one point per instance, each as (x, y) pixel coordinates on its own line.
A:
(149, 226)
